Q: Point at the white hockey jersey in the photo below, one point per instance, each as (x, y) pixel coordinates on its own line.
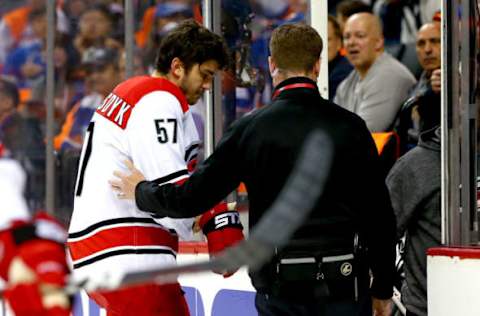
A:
(12, 185)
(147, 120)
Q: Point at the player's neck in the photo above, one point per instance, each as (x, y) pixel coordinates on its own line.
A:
(169, 77)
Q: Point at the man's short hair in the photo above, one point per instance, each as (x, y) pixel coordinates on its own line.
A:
(336, 27)
(192, 44)
(9, 90)
(348, 8)
(295, 47)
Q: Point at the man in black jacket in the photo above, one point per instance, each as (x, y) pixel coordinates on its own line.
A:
(260, 150)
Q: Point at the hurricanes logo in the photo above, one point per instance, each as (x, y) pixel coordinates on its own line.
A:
(346, 269)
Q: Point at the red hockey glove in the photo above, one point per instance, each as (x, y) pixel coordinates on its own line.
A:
(222, 228)
(26, 300)
(47, 259)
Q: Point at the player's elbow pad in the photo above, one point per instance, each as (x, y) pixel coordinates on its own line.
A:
(222, 228)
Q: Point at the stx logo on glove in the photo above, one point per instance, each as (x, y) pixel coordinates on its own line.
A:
(225, 219)
(222, 228)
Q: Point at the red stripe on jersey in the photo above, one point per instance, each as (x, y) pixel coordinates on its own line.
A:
(118, 106)
(122, 236)
(192, 165)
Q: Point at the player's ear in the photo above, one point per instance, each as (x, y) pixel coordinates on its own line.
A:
(177, 68)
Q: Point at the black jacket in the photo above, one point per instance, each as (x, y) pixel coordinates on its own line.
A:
(260, 150)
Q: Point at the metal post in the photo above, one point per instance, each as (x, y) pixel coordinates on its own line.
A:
(129, 40)
(450, 148)
(50, 89)
(458, 128)
(318, 19)
(468, 193)
(212, 98)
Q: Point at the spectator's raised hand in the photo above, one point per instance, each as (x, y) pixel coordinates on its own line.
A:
(30, 69)
(436, 80)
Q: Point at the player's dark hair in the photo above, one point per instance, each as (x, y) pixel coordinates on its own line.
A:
(192, 44)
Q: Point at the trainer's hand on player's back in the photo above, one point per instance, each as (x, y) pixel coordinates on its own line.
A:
(125, 184)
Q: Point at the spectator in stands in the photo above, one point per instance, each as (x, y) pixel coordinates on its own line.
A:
(95, 29)
(422, 109)
(379, 84)
(15, 28)
(22, 134)
(347, 8)
(414, 184)
(402, 19)
(338, 65)
(103, 70)
(141, 36)
(167, 16)
(26, 63)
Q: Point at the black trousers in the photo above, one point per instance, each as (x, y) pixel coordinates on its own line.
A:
(268, 305)
(410, 314)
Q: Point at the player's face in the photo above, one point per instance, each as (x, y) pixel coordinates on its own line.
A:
(198, 79)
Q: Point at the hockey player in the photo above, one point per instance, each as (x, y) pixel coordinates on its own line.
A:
(145, 119)
(32, 257)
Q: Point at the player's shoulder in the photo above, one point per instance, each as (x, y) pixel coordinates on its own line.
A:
(137, 88)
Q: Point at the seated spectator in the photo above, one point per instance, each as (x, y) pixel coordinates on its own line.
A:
(347, 8)
(338, 66)
(402, 19)
(22, 134)
(414, 185)
(167, 15)
(26, 64)
(15, 29)
(143, 34)
(95, 29)
(379, 83)
(103, 71)
(422, 109)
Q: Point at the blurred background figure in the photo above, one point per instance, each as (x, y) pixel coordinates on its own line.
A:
(347, 8)
(167, 15)
(402, 19)
(95, 28)
(338, 65)
(16, 29)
